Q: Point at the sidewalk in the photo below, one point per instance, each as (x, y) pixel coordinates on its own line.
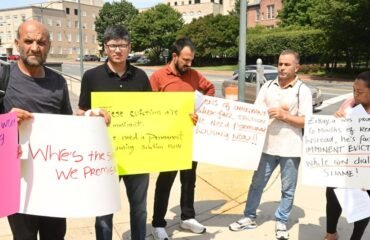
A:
(220, 196)
(219, 200)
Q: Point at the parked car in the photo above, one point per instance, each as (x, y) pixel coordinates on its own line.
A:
(133, 58)
(254, 67)
(91, 58)
(13, 57)
(143, 60)
(103, 59)
(250, 86)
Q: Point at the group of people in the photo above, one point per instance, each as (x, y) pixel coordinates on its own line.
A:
(34, 88)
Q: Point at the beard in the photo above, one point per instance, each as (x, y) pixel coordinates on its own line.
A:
(182, 70)
(34, 60)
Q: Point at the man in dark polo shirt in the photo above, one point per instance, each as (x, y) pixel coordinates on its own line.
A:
(116, 75)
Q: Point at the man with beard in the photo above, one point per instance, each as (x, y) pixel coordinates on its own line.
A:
(178, 76)
(34, 88)
(118, 75)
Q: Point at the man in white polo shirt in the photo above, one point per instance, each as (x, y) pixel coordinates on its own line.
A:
(288, 101)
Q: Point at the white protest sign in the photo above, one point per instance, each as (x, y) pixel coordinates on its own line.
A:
(70, 171)
(229, 133)
(336, 151)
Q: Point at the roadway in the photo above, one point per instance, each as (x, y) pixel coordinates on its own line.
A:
(334, 92)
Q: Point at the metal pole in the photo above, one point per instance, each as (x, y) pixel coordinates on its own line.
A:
(259, 75)
(80, 38)
(242, 49)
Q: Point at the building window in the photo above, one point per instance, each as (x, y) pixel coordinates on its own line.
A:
(182, 3)
(69, 24)
(50, 22)
(76, 12)
(69, 37)
(51, 36)
(85, 38)
(59, 37)
(93, 16)
(175, 3)
(93, 27)
(70, 50)
(84, 26)
(60, 50)
(67, 11)
(58, 23)
(197, 1)
(76, 24)
(7, 17)
(270, 11)
(189, 2)
(84, 13)
(257, 14)
(78, 38)
(93, 39)
(15, 16)
(212, 1)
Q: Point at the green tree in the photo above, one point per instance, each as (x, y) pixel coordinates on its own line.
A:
(346, 24)
(155, 29)
(115, 13)
(214, 36)
(296, 12)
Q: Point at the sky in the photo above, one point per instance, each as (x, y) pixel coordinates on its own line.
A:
(20, 3)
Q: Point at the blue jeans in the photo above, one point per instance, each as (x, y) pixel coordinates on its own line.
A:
(289, 173)
(136, 190)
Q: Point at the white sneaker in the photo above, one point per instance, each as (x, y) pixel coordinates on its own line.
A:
(160, 233)
(281, 231)
(193, 225)
(243, 223)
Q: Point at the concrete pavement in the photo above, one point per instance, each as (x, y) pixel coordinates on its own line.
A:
(219, 201)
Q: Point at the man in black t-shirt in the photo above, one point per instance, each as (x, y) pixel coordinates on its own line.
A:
(117, 75)
(34, 88)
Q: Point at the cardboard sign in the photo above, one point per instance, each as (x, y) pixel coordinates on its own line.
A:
(69, 169)
(151, 131)
(9, 165)
(336, 151)
(230, 133)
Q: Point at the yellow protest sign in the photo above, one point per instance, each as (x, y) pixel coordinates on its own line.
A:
(151, 131)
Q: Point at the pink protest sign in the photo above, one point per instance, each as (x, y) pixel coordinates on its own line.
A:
(9, 165)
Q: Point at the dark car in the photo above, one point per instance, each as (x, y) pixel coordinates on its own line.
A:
(133, 58)
(250, 86)
(91, 58)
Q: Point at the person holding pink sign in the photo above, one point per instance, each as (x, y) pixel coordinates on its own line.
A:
(361, 96)
(34, 88)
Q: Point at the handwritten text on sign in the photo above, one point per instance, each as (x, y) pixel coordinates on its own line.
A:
(337, 151)
(68, 169)
(9, 165)
(230, 133)
(151, 131)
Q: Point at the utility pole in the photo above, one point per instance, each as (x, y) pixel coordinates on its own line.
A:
(242, 49)
(80, 38)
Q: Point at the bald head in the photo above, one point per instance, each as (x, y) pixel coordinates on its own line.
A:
(33, 43)
(32, 24)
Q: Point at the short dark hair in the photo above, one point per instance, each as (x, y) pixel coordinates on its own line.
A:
(364, 76)
(116, 32)
(180, 44)
(290, 51)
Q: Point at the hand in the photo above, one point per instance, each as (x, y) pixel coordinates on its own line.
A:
(21, 114)
(101, 113)
(340, 114)
(19, 151)
(194, 118)
(279, 113)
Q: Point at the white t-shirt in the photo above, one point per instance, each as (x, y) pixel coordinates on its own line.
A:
(283, 139)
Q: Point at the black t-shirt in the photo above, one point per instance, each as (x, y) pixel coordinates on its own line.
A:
(103, 79)
(38, 95)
